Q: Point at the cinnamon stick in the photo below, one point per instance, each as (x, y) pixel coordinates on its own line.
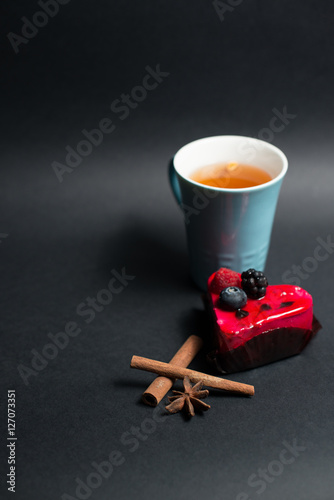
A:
(178, 372)
(161, 385)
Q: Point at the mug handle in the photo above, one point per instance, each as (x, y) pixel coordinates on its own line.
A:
(174, 183)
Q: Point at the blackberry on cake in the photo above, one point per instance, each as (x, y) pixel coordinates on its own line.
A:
(254, 283)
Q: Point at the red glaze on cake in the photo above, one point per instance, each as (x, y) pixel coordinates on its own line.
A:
(270, 328)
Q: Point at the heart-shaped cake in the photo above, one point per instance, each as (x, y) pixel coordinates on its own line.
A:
(255, 324)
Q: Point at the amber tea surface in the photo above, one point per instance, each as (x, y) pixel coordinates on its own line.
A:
(230, 175)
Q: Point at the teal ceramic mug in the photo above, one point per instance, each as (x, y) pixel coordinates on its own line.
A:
(227, 227)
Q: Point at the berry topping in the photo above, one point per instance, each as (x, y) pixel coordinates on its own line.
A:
(265, 307)
(233, 298)
(240, 313)
(286, 304)
(254, 283)
(223, 278)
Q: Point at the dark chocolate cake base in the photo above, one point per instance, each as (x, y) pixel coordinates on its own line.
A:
(265, 348)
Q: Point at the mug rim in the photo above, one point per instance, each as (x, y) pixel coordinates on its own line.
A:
(259, 187)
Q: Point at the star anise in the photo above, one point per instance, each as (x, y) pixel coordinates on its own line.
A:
(190, 399)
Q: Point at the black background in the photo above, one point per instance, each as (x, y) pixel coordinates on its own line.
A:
(116, 210)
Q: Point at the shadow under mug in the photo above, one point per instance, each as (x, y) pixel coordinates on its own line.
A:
(227, 227)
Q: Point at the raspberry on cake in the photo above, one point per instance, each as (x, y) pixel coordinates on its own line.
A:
(274, 323)
(223, 278)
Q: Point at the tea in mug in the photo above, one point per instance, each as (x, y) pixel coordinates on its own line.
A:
(230, 175)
